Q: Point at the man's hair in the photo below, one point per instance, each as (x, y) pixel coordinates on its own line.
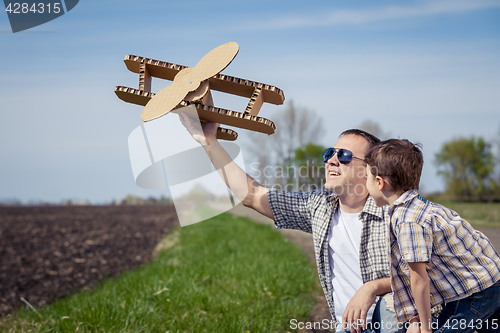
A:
(400, 161)
(370, 138)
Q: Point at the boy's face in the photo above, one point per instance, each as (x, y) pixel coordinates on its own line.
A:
(372, 184)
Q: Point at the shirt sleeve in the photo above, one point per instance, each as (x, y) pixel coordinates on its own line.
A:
(414, 241)
(290, 209)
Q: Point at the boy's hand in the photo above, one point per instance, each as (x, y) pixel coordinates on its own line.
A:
(414, 328)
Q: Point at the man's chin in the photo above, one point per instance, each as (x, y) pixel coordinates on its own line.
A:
(348, 189)
(336, 188)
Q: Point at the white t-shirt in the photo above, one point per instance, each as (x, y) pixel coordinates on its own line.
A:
(343, 250)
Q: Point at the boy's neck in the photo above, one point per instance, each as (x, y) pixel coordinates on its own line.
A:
(392, 196)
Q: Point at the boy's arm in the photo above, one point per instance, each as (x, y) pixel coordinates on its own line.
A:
(419, 281)
(246, 189)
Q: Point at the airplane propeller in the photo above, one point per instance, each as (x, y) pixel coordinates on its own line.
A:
(189, 79)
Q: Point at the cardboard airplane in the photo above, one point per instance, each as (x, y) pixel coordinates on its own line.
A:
(192, 85)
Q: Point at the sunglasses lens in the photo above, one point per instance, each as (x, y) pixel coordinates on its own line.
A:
(344, 156)
(328, 154)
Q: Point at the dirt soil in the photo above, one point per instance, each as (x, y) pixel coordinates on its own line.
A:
(47, 252)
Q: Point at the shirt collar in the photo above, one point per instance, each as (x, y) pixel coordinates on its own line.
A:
(369, 208)
(333, 200)
(372, 209)
(405, 197)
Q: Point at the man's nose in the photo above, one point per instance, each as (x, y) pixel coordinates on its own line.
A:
(333, 160)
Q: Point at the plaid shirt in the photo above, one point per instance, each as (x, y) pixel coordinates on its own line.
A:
(312, 211)
(460, 260)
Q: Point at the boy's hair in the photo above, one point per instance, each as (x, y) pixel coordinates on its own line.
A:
(372, 139)
(400, 161)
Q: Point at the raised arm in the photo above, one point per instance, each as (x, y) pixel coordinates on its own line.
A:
(246, 189)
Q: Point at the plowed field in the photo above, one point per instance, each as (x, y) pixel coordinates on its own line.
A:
(49, 251)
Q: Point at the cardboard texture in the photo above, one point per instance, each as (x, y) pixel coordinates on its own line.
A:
(144, 77)
(192, 85)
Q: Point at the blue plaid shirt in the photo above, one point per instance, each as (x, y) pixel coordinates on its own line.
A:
(460, 260)
(312, 211)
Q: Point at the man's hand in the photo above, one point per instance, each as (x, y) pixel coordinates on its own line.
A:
(208, 129)
(357, 308)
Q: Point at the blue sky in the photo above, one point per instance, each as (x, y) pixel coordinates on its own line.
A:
(428, 71)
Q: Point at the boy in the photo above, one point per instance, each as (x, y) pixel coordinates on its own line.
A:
(436, 256)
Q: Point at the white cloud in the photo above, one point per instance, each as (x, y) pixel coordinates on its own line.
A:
(359, 17)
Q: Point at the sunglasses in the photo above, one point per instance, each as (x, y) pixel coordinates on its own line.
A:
(344, 156)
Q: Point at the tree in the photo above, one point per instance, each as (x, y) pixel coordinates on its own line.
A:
(295, 127)
(311, 168)
(497, 157)
(467, 165)
(374, 129)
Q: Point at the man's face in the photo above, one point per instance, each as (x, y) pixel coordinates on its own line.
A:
(348, 179)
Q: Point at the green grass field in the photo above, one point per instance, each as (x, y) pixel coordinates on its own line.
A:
(226, 274)
(477, 213)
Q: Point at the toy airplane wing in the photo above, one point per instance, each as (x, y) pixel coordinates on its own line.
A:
(192, 85)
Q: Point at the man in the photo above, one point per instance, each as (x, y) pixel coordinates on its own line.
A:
(348, 229)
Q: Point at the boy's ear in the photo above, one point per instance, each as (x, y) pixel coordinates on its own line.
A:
(380, 183)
